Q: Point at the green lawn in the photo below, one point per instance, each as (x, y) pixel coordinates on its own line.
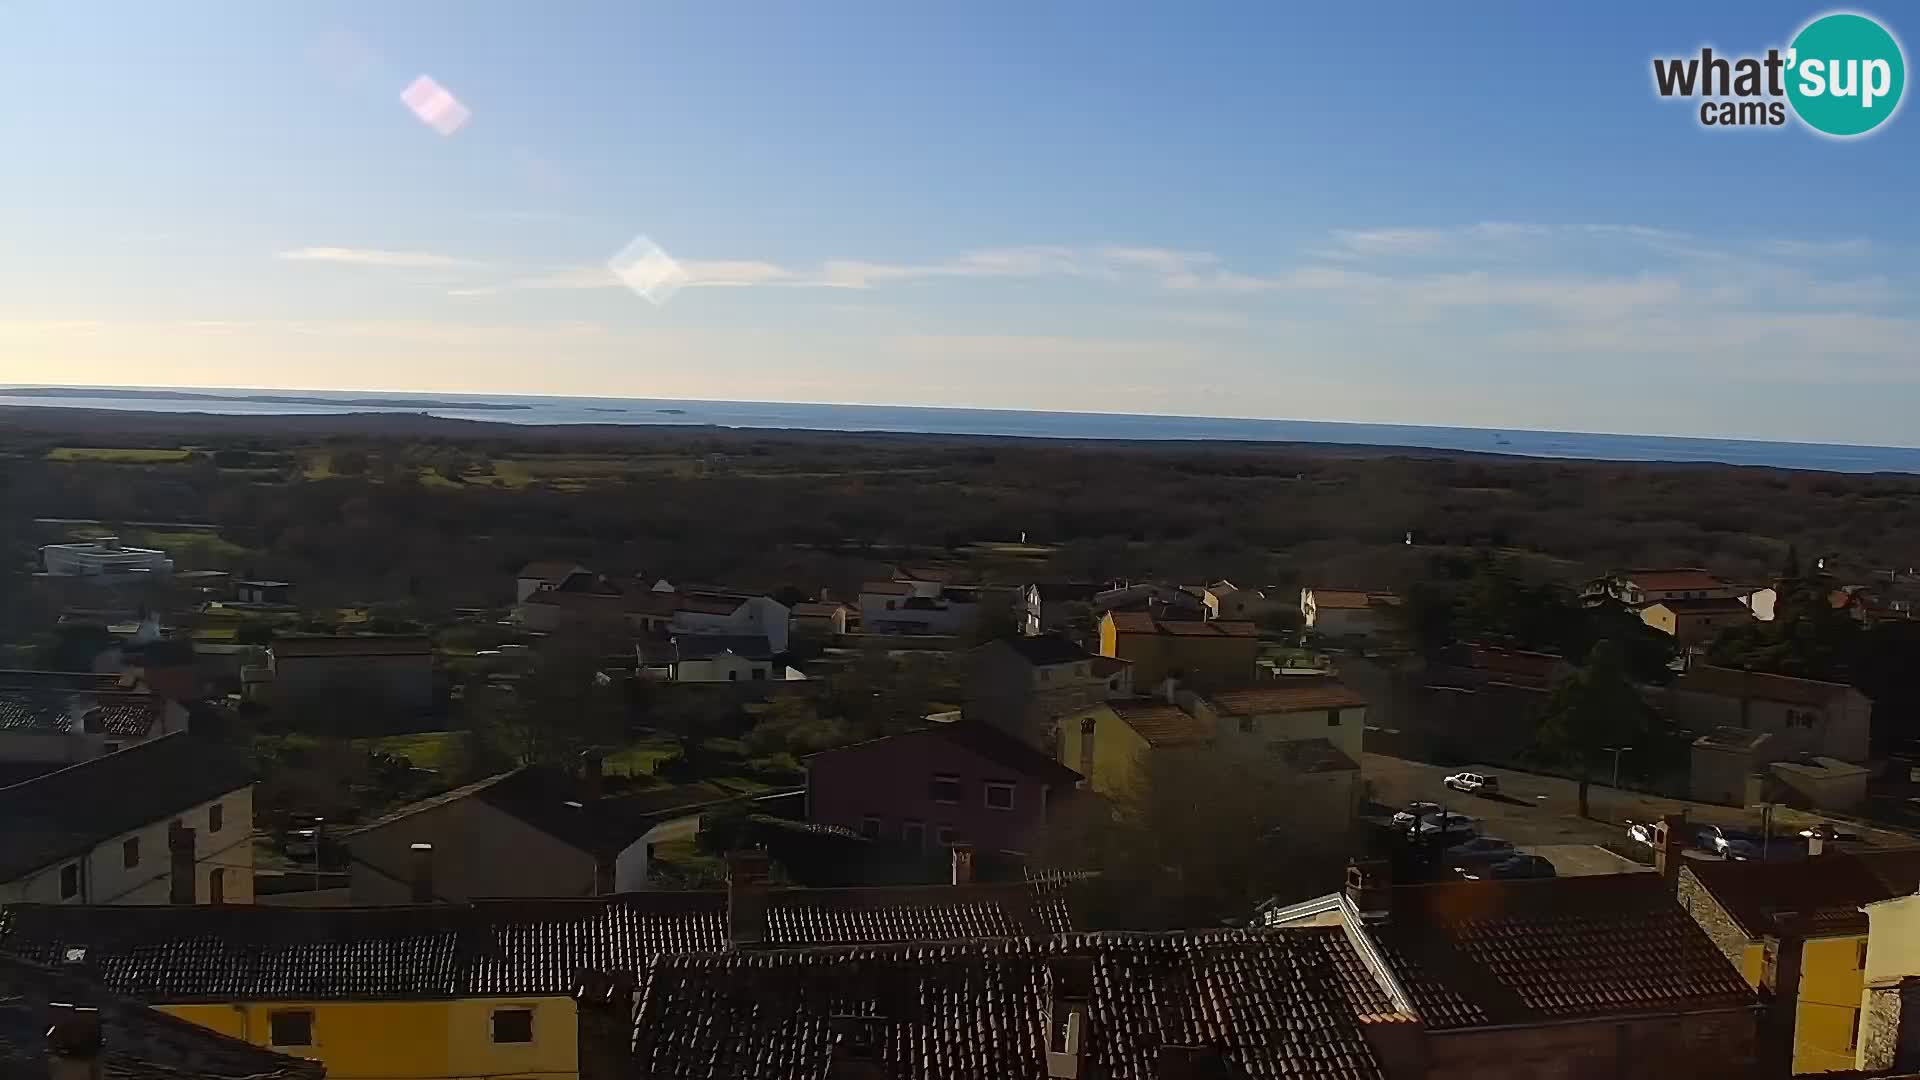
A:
(641, 757)
(118, 455)
(426, 749)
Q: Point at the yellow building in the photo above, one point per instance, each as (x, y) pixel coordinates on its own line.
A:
(1107, 743)
(1797, 929)
(1210, 653)
(464, 991)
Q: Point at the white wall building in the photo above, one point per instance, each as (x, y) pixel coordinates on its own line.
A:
(98, 832)
(104, 557)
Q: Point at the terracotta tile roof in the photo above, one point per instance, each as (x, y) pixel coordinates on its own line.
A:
(69, 681)
(173, 954)
(1683, 579)
(1275, 1003)
(63, 813)
(1141, 622)
(1351, 599)
(708, 603)
(887, 588)
(1162, 723)
(1497, 952)
(1298, 693)
(1703, 605)
(369, 645)
(1759, 686)
(45, 712)
(139, 1043)
(1830, 889)
(553, 570)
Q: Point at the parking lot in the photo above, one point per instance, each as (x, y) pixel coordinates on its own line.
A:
(1538, 813)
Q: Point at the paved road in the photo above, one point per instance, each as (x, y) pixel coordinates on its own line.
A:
(1535, 810)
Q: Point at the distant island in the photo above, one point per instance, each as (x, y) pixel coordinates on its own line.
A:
(267, 399)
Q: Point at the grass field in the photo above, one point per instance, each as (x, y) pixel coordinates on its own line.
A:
(118, 455)
(641, 757)
(426, 749)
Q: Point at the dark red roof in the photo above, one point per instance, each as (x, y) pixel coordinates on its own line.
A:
(984, 740)
(1272, 1003)
(1760, 686)
(1829, 889)
(1473, 953)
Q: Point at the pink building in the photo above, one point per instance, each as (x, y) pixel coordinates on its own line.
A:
(962, 782)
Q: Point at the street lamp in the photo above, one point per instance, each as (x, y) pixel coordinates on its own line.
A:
(1616, 751)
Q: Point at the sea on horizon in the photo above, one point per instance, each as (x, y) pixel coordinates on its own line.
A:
(928, 420)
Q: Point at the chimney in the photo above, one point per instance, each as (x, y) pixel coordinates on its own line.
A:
(1669, 846)
(1816, 844)
(180, 887)
(1780, 983)
(420, 872)
(1189, 1063)
(74, 1043)
(1071, 980)
(603, 875)
(963, 864)
(604, 1003)
(747, 898)
(592, 780)
(1370, 887)
(856, 1049)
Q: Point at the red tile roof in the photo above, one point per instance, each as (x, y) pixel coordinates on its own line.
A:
(1474, 953)
(1760, 686)
(1162, 723)
(1351, 599)
(1829, 889)
(887, 588)
(1292, 693)
(1273, 1004)
(1704, 605)
(1141, 622)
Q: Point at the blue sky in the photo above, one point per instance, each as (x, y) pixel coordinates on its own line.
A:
(1373, 212)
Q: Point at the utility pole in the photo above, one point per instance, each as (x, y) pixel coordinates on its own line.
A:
(1616, 751)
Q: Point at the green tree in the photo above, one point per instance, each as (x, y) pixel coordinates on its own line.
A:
(1592, 710)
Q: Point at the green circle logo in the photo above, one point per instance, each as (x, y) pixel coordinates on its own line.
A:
(1845, 74)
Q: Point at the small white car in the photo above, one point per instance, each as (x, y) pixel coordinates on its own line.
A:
(1473, 783)
(1408, 818)
(1447, 824)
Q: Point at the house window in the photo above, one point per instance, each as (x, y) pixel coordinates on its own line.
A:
(1853, 1038)
(1246, 725)
(1046, 675)
(69, 881)
(947, 835)
(217, 886)
(513, 1025)
(1113, 684)
(1333, 717)
(130, 852)
(914, 835)
(216, 817)
(999, 795)
(870, 827)
(290, 1027)
(889, 605)
(733, 676)
(760, 673)
(945, 788)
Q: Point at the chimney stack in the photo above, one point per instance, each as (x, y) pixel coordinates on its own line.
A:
(74, 1043)
(1370, 887)
(604, 1004)
(1669, 845)
(420, 872)
(963, 864)
(1780, 977)
(747, 898)
(592, 774)
(1816, 844)
(1071, 983)
(180, 885)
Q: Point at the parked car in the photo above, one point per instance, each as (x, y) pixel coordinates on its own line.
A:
(1827, 831)
(1408, 818)
(1473, 783)
(1730, 843)
(1446, 825)
(1478, 850)
(1640, 832)
(1516, 867)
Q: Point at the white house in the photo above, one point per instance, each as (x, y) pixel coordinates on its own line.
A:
(104, 557)
(104, 831)
(720, 658)
(704, 612)
(923, 607)
(1259, 718)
